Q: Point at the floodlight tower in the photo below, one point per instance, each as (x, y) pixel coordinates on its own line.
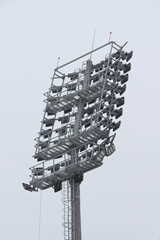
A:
(78, 127)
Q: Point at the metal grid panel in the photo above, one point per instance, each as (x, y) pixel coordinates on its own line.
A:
(96, 91)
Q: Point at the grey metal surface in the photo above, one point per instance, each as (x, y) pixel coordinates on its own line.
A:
(75, 186)
(78, 127)
(66, 129)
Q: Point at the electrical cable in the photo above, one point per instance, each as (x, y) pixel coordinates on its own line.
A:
(93, 44)
(40, 211)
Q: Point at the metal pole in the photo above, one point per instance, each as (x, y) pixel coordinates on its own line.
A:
(75, 186)
(76, 211)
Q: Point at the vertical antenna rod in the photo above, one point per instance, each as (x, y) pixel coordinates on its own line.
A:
(58, 62)
(109, 36)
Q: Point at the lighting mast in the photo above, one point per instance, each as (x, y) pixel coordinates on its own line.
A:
(78, 126)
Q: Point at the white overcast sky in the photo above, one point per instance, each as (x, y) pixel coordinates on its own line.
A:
(120, 200)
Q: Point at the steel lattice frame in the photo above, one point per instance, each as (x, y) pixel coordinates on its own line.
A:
(79, 122)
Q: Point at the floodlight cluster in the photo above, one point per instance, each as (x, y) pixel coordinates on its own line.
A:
(64, 153)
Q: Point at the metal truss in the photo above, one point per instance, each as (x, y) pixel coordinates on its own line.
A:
(45, 174)
(58, 147)
(78, 127)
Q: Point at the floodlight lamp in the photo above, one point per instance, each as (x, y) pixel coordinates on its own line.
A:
(115, 126)
(127, 68)
(110, 150)
(29, 187)
(49, 122)
(38, 171)
(117, 113)
(127, 56)
(56, 89)
(119, 101)
(120, 89)
(116, 55)
(123, 78)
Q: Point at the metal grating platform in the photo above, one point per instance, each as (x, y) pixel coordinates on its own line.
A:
(44, 180)
(66, 144)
